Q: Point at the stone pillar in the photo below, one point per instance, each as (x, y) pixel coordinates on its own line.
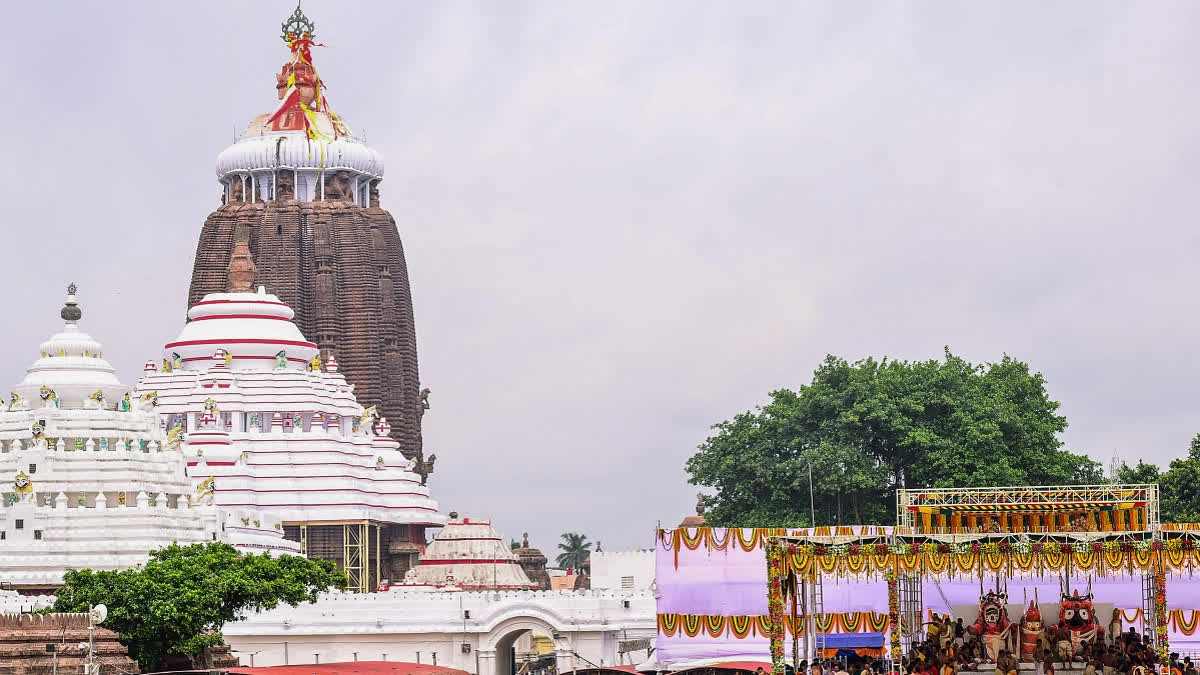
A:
(488, 662)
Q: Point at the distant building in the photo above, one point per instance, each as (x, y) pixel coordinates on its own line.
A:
(623, 570)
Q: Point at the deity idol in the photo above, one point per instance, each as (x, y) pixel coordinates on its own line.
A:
(1077, 618)
(993, 626)
(1032, 630)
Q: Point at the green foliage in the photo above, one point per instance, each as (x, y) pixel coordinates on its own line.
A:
(1179, 498)
(575, 549)
(180, 599)
(1179, 487)
(869, 427)
(1142, 473)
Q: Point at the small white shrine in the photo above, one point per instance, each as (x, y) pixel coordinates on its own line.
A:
(467, 555)
(89, 478)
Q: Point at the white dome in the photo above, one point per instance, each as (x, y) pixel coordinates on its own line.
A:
(261, 149)
(72, 365)
(253, 327)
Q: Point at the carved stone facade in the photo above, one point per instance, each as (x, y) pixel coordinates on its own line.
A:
(341, 266)
(24, 639)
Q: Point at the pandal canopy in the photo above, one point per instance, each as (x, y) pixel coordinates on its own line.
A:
(989, 534)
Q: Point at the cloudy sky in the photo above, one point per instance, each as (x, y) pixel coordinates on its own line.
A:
(627, 221)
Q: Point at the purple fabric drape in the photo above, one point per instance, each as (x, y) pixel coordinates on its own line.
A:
(733, 582)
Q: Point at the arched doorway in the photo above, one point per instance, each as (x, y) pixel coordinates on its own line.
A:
(498, 645)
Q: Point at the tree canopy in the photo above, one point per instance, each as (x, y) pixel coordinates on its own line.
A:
(866, 428)
(575, 549)
(177, 603)
(1179, 496)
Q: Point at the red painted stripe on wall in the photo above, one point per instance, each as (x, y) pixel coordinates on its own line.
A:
(241, 316)
(239, 341)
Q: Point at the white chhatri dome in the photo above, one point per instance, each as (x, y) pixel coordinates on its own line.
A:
(253, 327)
(95, 482)
(468, 555)
(71, 365)
(261, 149)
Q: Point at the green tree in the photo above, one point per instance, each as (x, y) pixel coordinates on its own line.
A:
(1178, 488)
(1143, 473)
(514, 544)
(177, 603)
(865, 429)
(575, 549)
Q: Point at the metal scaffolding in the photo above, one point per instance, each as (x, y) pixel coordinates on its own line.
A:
(355, 557)
(1018, 500)
(912, 625)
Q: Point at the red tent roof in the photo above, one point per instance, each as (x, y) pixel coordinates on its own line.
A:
(352, 668)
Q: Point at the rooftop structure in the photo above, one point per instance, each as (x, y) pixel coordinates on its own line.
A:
(94, 482)
(264, 424)
(468, 555)
(305, 188)
(31, 644)
(1095, 508)
(533, 562)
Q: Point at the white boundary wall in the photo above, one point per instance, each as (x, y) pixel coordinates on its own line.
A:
(470, 631)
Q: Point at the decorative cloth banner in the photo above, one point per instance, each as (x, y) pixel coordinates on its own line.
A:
(851, 551)
(937, 560)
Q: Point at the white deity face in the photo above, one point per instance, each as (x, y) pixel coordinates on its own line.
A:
(21, 483)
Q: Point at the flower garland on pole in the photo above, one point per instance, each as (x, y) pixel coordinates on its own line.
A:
(775, 578)
(893, 591)
(1160, 612)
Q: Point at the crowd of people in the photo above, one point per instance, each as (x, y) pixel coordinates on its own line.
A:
(950, 648)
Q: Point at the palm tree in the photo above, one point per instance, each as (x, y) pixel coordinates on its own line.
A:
(575, 549)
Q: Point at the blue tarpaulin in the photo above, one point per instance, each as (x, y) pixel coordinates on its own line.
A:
(853, 640)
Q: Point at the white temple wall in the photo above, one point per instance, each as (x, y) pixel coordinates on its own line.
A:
(585, 626)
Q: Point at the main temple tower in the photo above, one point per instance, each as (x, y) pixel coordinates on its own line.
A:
(307, 189)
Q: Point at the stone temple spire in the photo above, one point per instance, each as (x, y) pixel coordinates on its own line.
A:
(308, 190)
(241, 263)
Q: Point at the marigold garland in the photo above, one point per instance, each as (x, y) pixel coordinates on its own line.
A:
(893, 589)
(1160, 614)
(1184, 621)
(776, 571)
(802, 560)
(1186, 626)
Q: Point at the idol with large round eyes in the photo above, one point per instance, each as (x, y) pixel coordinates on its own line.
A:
(1068, 614)
(1084, 614)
